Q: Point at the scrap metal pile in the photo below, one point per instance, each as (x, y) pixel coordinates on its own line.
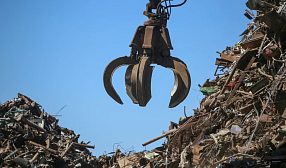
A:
(30, 137)
(241, 121)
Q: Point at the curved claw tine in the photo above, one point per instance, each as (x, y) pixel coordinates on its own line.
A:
(179, 91)
(182, 83)
(134, 79)
(108, 72)
(128, 84)
(144, 81)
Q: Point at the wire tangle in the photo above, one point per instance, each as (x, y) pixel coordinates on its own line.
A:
(167, 9)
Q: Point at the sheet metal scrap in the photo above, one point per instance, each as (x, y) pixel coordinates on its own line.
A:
(151, 44)
(30, 137)
(241, 121)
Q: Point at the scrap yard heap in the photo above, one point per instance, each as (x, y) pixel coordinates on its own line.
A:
(241, 121)
(30, 137)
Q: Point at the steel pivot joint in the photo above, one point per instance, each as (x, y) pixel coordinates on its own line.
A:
(151, 44)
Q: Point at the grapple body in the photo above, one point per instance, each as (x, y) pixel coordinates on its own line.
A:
(151, 44)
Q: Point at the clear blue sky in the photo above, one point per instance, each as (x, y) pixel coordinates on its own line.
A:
(55, 52)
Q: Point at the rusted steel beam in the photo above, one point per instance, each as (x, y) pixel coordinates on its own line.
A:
(39, 145)
(211, 104)
(76, 145)
(250, 13)
(240, 80)
(83, 145)
(35, 156)
(159, 137)
(67, 149)
(12, 153)
(75, 138)
(26, 121)
(228, 79)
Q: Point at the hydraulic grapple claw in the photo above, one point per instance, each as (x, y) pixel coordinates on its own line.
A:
(182, 82)
(151, 44)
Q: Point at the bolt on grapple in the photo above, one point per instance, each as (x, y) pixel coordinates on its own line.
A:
(151, 44)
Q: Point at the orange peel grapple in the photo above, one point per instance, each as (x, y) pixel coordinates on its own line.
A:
(151, 44)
